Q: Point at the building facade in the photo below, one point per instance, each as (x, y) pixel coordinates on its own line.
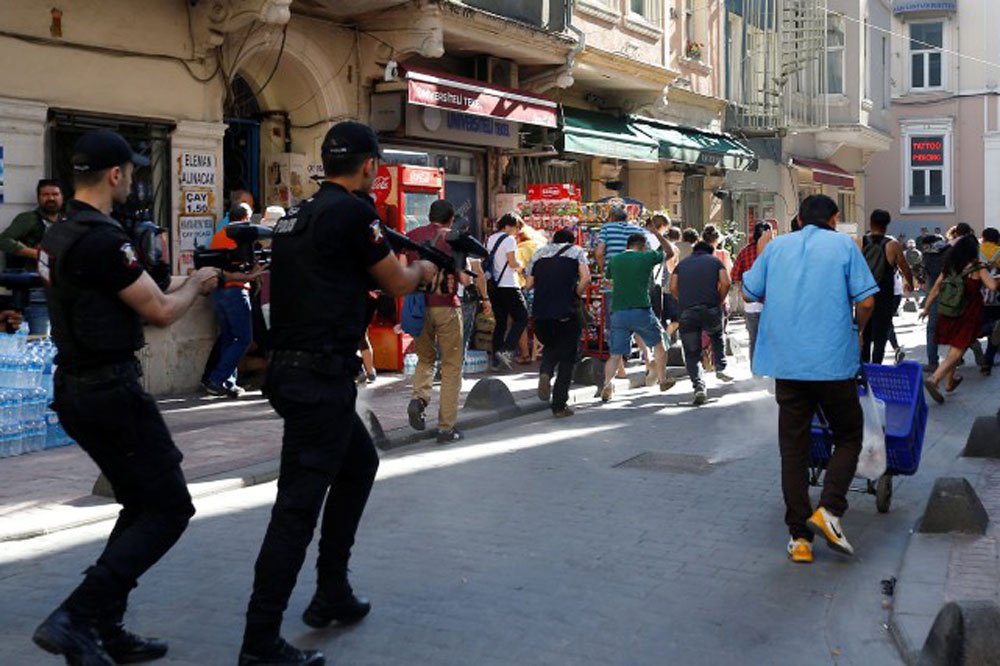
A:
(621, 97)
(807, 86)
(945, 157)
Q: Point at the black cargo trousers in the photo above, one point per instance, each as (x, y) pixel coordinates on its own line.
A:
(107, 412)
(328, 463)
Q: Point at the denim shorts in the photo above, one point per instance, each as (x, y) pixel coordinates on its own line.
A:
(640, 321)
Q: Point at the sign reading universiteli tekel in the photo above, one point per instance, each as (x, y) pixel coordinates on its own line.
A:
(479, 99)
(913, 6)
(926, 151)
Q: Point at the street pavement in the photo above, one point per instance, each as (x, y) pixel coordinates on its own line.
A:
(532, 543)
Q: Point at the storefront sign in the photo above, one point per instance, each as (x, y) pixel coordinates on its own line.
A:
(926, 151)
(195, 231)
(422, 177)
(427, 122)
(197, 169)
(553, 192)
(478, 100)
(910, 6)
(1, 174)
(197, 201)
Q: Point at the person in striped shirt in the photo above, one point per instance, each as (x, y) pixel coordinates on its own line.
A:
(613, 241)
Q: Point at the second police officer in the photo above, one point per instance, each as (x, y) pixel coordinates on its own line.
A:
(327, 254)
(98, 295)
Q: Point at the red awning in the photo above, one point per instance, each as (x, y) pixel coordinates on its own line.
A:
(825, 173)
(477, 98)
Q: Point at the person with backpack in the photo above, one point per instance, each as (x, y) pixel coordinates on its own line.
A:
(933, 247)
(502, 268)
(989, 254)
(560, 275)
(960, 309)
(441, 332)
(884, 256)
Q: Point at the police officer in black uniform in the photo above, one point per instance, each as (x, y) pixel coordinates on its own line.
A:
(325, 257)
(98, 296)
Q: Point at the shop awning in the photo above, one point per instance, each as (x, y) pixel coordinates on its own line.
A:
(444, 91)
(603, 135)
(692, 146)
(824, 172)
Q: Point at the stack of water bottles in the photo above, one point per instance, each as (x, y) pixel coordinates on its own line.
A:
(26, 423)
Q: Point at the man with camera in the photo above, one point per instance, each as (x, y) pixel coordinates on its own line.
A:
(442, 331)
(233, 311)
(326, 255)
(98, 295)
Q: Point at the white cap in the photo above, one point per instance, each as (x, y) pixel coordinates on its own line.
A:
(272, 214)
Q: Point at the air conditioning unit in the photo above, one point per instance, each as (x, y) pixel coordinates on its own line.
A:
(498, 71)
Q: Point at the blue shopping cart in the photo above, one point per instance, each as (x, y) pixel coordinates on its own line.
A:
(900, 387)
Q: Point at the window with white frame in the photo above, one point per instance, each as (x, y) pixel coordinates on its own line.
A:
(646, 9)
(927, 56)
(928, 168)
(836, 39)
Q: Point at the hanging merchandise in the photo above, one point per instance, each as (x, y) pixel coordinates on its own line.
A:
(551, 207)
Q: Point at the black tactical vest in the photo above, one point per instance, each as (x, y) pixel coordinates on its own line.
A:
(90, 327)
(318, 294)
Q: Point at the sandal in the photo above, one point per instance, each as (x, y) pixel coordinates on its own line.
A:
(954, 385)
(934, 391)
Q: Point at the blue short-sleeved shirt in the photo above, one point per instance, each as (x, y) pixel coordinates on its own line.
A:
(809, 282)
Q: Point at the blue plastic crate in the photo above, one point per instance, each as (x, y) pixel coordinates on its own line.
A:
(901, 388)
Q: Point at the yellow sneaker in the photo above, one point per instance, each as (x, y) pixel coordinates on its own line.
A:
(827, 525)
(800, 550)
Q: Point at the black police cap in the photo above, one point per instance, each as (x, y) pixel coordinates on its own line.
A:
(103, 149)
(351, 138)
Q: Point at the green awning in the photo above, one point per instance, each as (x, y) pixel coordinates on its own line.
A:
(603, 135)
(691, 146)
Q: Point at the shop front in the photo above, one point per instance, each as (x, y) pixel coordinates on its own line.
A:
(460, 125)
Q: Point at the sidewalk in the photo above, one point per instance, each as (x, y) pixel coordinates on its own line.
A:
(939, 568)
(227, 444)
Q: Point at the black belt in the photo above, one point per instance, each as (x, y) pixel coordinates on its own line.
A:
(325, 364)
(130, 369)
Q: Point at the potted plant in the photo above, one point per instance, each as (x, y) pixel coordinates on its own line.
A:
(693, 50)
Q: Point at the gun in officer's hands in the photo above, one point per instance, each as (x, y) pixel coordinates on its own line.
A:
(428, 252)
(245, 256)
(20, 284)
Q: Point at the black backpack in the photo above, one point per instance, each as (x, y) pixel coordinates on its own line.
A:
(874, 251)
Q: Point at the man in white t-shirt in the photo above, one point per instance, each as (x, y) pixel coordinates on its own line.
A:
(506, 297)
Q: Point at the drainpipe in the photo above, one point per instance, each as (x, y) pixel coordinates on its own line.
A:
(562, 77)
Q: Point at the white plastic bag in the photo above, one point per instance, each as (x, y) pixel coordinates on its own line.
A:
(872, 461)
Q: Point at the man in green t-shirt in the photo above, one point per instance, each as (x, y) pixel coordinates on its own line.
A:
(631, 311)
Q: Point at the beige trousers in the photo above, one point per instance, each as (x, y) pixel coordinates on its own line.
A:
(443, 328)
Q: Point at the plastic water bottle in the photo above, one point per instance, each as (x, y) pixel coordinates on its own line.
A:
(34, 435)
(21, 338)
(16, 437)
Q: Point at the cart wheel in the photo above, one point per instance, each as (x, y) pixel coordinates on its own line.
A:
(883, 494)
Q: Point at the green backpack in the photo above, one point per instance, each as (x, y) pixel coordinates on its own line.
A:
(952, 299)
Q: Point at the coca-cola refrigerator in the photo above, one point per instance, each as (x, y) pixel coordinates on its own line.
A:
(403, 197)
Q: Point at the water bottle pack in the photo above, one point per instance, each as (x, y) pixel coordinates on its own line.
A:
(26, 423)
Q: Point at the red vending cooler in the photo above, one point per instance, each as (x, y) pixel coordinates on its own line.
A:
(403, 197)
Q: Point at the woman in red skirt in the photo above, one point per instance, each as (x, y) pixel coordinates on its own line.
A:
(958, 332)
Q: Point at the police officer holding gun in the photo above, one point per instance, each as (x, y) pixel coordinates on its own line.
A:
(98, 295)
(326, 254)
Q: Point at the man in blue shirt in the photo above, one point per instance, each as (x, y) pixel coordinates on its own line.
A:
(818, 293)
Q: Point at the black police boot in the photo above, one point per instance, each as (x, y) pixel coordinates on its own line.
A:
(282, 653)
(128, 648)
(335, 603)
(64, 634)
